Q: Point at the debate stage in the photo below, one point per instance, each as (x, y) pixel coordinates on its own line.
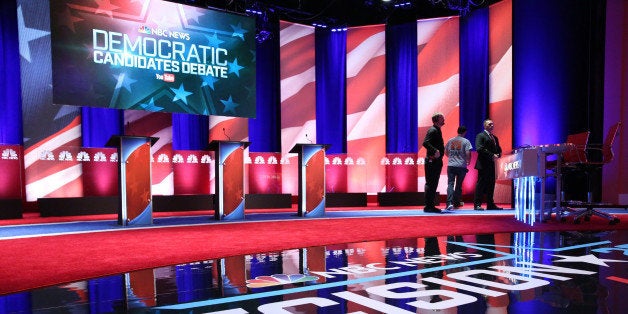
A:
(353, 260)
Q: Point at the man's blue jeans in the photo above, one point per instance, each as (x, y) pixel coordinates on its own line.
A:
(455, 176)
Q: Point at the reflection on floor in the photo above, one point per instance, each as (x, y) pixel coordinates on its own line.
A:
(566, 272)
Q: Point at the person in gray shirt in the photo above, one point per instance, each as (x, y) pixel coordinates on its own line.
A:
(458, 152)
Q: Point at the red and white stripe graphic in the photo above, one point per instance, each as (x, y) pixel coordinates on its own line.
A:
(438, 69)
(500, 77)
(438, 81)
(48, 175)
(500, 83)
(298, 93)
(224, 128)
(366, 106)
(298, 89)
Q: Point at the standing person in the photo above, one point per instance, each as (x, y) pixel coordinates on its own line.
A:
(434, 161)
(458, 152)
(488, 149)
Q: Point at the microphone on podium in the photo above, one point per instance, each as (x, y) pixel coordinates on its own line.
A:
(225, 133)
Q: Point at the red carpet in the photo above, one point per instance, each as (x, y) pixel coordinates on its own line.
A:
(36, 262)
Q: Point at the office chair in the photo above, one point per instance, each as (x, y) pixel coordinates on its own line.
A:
(577, 154)
(569, 159)
(592, 160)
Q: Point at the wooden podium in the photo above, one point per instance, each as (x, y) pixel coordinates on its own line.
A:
(311, 179)
(229, 179)
(134, 177)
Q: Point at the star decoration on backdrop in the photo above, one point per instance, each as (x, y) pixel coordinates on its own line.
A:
(590, 259)
(235, 68)
(105, 6)
(123, 81)
(214, 41)
(150, 106)
(238, 31)
(180, 94)
(209, 80)
(27, 35)
(229, 105)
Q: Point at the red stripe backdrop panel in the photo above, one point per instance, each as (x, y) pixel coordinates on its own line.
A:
(439, 82)
(500, 83)
(298, 95)
(366, 108)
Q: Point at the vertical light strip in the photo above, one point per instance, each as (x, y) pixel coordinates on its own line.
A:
(525, 200)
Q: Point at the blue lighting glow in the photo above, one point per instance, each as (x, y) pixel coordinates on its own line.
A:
(525, 207)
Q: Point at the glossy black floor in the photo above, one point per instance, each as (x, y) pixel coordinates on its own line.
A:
(557, 272)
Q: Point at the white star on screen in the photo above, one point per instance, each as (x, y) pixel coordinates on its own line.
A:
(27, 35)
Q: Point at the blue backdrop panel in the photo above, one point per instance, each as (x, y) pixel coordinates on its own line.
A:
(189, 131)
(401, 88)
(331, 100)
(265, 129)
(474, 71)
(552, 85)
(10, 101)
(99, 124)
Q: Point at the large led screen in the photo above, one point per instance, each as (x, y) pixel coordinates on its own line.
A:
(152, 55)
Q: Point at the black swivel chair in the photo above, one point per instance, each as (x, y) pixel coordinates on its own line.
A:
(591, 161)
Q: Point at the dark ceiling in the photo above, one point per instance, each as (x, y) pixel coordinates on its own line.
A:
(346, 12)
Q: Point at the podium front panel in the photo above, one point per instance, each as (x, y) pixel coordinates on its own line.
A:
(312, 181)
(229, 180)
(135, 174)
(134, 169)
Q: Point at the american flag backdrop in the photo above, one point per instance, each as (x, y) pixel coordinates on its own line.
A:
(366, 107)
(439, 81)
(298, 94)
(51, 133)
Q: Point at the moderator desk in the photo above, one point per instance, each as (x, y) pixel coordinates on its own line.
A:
(525, 166)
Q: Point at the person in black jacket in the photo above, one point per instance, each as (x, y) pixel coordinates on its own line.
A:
(488, 149)
(435, 146)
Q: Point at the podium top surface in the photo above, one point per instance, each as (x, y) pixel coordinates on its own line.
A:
(213, 145)
(114, 140)
(298, 146)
